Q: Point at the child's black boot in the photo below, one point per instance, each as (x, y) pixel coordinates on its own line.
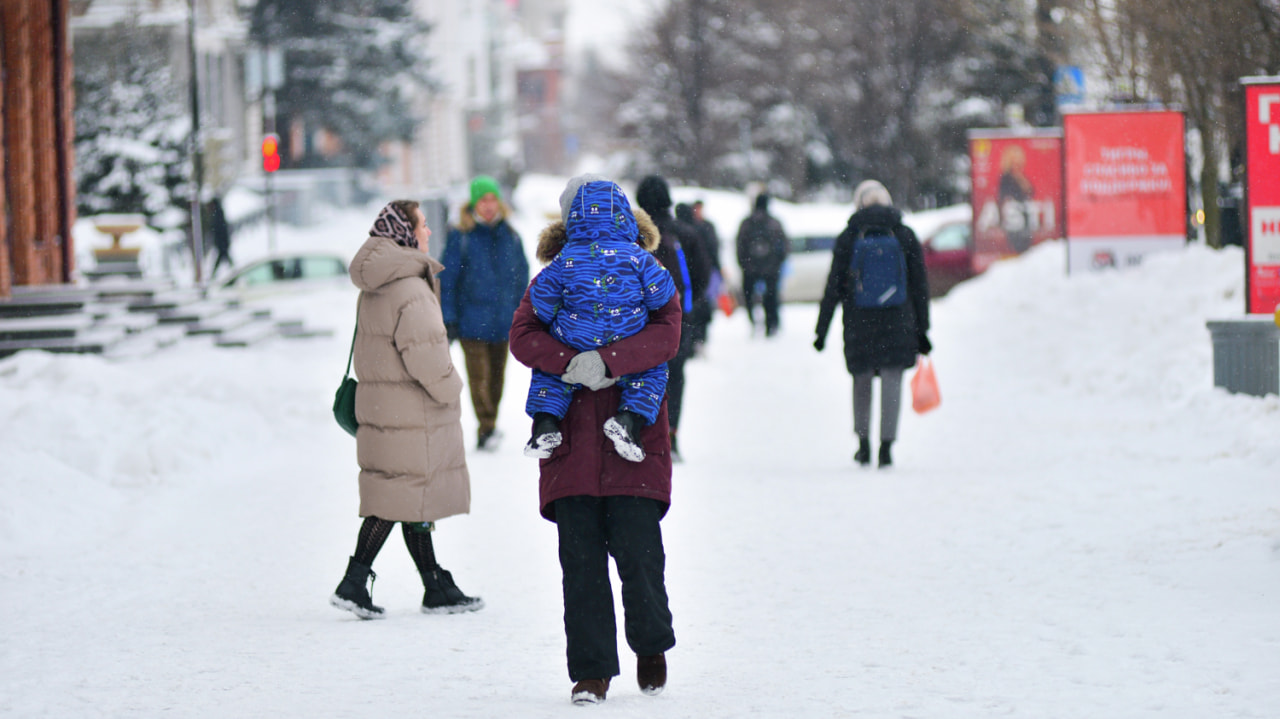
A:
(546, 436)
(624, 429)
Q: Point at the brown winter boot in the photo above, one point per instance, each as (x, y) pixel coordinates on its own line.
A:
(590, 691)
(651, 673)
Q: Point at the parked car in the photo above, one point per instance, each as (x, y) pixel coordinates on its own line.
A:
(284, 273)
(948, 256)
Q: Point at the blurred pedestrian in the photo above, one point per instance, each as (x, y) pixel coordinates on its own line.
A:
(682, 253)
(413, 464)
(604, 505)
(219, 231)
(878, 277)
(485, 274)
(599, 285)
(704, 303)
(762, 249)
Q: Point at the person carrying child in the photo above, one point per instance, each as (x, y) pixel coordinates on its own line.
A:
(599, 285)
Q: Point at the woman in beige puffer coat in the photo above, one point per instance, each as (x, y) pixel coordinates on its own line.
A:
(413, 467)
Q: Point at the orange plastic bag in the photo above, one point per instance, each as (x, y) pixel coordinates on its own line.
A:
(727, 303)
(924, 387)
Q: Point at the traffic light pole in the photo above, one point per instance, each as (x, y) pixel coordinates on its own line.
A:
(269, 109)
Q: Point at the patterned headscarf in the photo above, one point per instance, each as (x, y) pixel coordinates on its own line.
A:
(393, 224)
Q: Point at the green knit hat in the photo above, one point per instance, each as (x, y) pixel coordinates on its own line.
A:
(483, 185)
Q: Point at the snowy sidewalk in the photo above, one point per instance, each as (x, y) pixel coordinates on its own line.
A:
(1084, 529)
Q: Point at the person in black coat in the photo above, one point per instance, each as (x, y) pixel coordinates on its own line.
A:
(762, 247)
(682, 252)
(878, 341)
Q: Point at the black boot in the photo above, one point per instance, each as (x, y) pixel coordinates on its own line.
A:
(886, 460)
(352, 595)
(624, 429)
(863, 455)
(546, 436)
(442, 596)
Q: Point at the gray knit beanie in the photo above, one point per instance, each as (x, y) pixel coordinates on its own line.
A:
(566, 197)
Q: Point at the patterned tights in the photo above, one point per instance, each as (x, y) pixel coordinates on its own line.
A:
(374, 533)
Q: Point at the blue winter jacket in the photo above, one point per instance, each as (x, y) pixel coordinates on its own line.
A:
(601, 286)
(485, 276)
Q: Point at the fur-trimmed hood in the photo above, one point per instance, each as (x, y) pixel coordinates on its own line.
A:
(467, 217)
(553, 237)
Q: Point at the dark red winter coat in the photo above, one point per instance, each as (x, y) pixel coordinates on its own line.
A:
(585, 463)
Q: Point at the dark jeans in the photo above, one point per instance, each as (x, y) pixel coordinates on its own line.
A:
(770, 299)
(591, 530)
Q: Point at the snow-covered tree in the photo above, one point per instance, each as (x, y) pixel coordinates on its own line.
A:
(352, 68)
(131, 125)
(803, 96)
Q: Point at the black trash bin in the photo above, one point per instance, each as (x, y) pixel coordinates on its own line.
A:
(1246, 355)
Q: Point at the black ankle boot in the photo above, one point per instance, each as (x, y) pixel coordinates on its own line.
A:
(863, 455)
(442, 596)
(624, 429)
(352, 595)
(886, 460)
(546, 436)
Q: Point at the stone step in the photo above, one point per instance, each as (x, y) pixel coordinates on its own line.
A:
(94, 341)
(44, 327)
(142, 344)
(226, 321)
(252, 333)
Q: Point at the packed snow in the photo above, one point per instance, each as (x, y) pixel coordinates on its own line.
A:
(1085, 528)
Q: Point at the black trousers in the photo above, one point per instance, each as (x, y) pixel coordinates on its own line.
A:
(675, 375)
(591, 530)
(770, 299)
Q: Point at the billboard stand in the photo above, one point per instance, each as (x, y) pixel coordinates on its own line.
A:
(1016, 180)
(1125, 185)
(1262, 194)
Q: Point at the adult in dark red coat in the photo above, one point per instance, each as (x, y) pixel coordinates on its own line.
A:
(605, 505)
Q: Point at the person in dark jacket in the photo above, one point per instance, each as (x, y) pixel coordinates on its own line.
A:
(704, 303)
(762, 249)
(878, 341)
(604, 505)
(682, 253)
(486, 272)
(219, 231)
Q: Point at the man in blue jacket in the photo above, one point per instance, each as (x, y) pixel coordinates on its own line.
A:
(485, 275)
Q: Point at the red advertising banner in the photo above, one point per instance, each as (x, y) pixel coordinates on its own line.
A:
(1262, 190)
(1126, 193)
(1017, 191)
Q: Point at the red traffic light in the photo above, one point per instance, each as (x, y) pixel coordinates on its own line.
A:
(270, 152)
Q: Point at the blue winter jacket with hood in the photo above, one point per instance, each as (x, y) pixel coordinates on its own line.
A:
(484, 278)
(601, 285)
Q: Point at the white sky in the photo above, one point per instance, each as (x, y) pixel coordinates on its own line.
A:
(605, 25)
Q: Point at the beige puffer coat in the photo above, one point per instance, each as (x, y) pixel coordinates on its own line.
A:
(413, 465)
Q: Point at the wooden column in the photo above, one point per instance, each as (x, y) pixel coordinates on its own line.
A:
(19, 188)
(48, 237)
(64, 86)
(6, 283)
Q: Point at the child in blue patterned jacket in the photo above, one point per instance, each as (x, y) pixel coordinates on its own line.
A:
(599, 286)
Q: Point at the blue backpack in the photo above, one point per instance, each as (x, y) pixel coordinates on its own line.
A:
(879, 270)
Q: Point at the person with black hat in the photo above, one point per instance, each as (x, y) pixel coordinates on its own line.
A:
(762, 248)
(682, 252)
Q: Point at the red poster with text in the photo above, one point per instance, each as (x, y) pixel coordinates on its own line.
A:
(1126, 192)
(1262, 132)
(1017, 191)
